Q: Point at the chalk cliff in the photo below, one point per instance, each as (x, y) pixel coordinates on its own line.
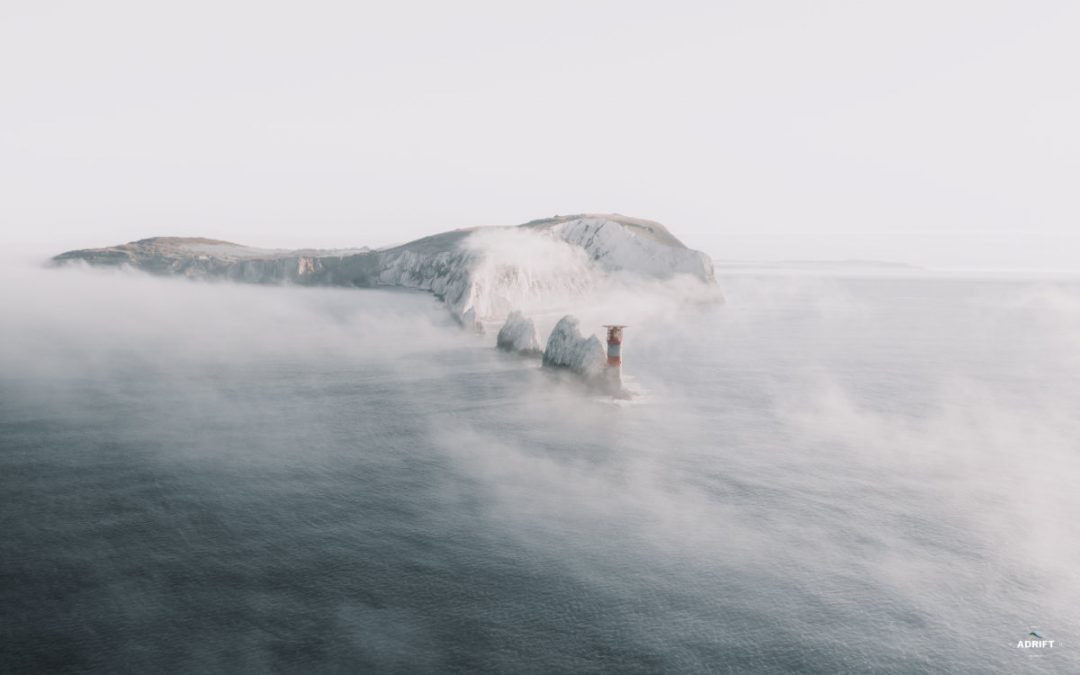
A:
(480, 273)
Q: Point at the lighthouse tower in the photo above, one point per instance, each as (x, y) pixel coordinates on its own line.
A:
(613, 373)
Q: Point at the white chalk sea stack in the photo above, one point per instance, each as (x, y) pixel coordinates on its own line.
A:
(519, 335)
(568, 348)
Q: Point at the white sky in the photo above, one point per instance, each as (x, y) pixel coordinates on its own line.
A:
(929, 132)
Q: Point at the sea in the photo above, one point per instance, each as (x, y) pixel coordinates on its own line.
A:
(836, 470)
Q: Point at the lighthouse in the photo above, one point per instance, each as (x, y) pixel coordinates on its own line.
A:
(613, 373)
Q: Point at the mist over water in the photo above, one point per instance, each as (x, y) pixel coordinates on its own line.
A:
(824, 474)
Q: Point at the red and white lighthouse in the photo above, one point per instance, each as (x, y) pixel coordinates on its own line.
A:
(614, 345)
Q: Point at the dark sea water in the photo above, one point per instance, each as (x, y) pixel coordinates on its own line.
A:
(824, 475)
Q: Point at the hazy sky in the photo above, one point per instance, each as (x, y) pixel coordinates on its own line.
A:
(933, 132)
